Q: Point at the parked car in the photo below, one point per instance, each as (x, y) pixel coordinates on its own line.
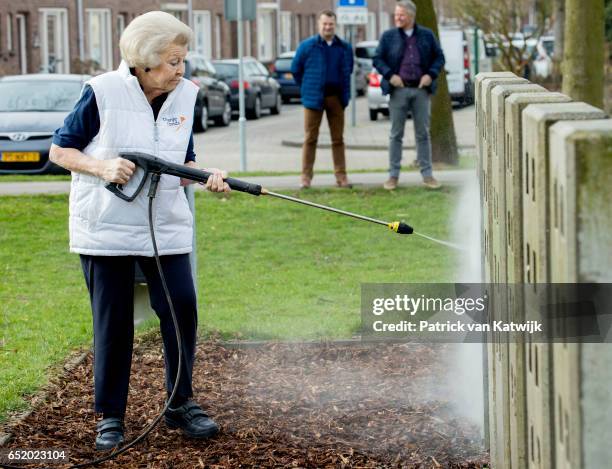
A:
(361, 79)
(377, 102)
(213, 101)
(32, 107)
(262, 91)
(281, 70)
(543, 56)
(364, 54)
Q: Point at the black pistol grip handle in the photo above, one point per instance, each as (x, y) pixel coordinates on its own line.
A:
(115, 188)
(243, 186)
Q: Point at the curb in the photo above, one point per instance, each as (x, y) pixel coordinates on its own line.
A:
(359, 146)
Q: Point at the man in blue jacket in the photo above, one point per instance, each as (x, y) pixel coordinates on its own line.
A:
(409, 58)
(322, 67)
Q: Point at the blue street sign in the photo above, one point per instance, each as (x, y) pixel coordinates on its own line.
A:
(352, 3)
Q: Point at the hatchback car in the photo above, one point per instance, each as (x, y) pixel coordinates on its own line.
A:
(282, 72)
(261, 90)
(213, 101)
(31, 108)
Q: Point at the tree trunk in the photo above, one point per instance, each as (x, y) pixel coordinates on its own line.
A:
(443, 139)
(559, 32)
(559, 29)
(583, 60)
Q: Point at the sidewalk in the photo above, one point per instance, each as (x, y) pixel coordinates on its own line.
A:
(292, 182)
(374, 135)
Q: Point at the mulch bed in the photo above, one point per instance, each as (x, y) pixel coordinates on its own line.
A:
(278, 405)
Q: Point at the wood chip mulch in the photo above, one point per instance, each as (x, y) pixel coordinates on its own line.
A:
(278, 405)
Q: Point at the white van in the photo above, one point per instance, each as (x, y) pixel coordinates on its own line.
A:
(460, 65)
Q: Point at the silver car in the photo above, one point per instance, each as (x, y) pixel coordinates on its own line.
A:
(31, 108)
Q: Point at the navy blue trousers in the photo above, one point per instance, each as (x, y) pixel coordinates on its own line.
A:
(110, 281)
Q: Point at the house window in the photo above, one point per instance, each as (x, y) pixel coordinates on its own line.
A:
(265, 34)
(120, 23)
(297, 30)
(99, 37)
(55, 56)
(9, 32)
(203, 33)
(385, 22)
(22, 39)
(247, 36)
(285, 36)
(371, 27)
(218, 36)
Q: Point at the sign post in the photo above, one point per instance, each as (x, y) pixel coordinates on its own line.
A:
(241, 10)
(352, 13)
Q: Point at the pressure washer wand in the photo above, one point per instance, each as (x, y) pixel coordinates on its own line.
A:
(153, 165)
(397, 226)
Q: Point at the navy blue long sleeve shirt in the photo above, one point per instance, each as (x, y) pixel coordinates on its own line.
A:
(83, 123)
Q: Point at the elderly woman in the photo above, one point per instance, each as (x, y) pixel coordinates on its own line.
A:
(145, 105)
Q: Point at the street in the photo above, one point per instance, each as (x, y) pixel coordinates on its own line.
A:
(219, 147)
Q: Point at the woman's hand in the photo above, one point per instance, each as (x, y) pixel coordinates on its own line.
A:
(117, 170)
(215, 183)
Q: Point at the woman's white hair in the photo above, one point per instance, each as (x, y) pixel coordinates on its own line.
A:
(148, 35)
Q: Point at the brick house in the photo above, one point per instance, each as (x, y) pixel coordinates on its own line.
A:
(70, 36)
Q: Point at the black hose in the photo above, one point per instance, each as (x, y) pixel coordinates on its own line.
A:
(152, 190)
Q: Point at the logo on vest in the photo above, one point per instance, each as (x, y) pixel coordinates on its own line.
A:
(174, 121)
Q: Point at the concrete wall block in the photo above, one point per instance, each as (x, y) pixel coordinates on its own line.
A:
(486, 86)
(536, 120)
(515, 104)
(480, 136)
(478, 103)
(580, 161)
(485, 166)
(497, 204)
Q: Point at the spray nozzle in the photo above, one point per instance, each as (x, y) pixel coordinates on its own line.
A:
(401, 227)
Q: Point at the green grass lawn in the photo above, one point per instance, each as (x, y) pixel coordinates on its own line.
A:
(267, 269)
(466, 161)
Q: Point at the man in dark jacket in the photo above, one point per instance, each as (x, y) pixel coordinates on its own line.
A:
(322, 66)
(409, 58)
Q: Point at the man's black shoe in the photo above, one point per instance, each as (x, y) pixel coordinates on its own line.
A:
(110, 433)
(192, 420)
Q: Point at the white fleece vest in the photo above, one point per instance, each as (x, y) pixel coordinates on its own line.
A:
(101, 224)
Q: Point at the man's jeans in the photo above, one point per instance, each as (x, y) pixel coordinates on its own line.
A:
(417, 101)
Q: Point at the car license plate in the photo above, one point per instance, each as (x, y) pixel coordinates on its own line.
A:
(20, 156)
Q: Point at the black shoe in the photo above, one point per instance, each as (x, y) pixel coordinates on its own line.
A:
(110, 433)
(192, 420)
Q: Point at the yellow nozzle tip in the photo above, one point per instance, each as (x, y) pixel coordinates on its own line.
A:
(394, 226)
